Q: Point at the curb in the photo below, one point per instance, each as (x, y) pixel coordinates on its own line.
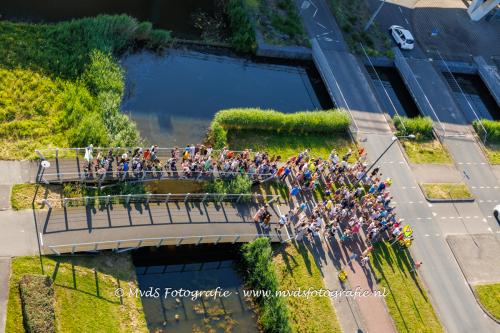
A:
(476, 297)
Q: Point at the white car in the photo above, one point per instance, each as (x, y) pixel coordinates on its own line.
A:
(496, 212)
(403, 37)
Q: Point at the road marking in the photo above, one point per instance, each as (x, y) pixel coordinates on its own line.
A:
(437, 235)
(403, 187)
(406, 20)
(401, 162)
(467, 217)
(489, 216)
(481, 200)
(400, 10)
(434, 214)
(489, 229)
(426, 235)
(429, 204)
(321, 25)
(475, 216)
(410, 202)
(443, 217)
(460, 162)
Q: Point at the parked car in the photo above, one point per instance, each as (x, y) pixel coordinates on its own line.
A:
(403, 37)
(496, 212)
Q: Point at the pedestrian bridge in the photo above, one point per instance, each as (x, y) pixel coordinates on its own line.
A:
(68, 165)
(127, 222)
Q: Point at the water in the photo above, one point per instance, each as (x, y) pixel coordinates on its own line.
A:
(193, 268)
(175, 15)
(402, 102)
(174, 97)
(476, 94)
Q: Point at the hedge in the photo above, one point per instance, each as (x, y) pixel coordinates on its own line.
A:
(421, 127)
(260, 275)
(492, 129)
(37, 299)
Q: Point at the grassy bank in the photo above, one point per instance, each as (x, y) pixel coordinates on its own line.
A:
(446, 191)
(60, 84)
(489, 296)
(408, 303)
(296, 268)
(84, 298)
(351, 16)
(287, 145)
(492, 146)
(260, 275)
(280, 23)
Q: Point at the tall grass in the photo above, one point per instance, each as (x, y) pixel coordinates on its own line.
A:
(60, 84)
(241, 23)
(260, 275)
(492, 129)
(421, 127)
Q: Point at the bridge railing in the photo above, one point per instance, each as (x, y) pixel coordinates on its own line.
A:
(145, 175)
(130, 244)
(128, 199)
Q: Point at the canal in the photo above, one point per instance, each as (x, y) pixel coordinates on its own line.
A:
(173, 97)
(179, 16)
(194, 268)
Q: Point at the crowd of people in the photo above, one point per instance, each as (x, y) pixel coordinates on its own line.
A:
(191, 162)
(349, 199)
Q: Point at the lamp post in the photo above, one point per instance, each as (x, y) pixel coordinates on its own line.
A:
(393, 140)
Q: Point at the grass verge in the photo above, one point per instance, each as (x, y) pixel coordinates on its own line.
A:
(287, 145)
(426, 151)
(84, 298)
(23, 196)
(296, 268)
(492, 153)
(407, 300)
(446, 191)
(489, 296)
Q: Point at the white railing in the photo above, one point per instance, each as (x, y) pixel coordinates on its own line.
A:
(130, 244)
(164, 198)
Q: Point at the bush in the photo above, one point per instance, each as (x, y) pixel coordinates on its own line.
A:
(421, 127)
(260, 275)
(492, 129)
(333, 121)
(242, 27)
(217, 135)
(239, 185)
(37, 299)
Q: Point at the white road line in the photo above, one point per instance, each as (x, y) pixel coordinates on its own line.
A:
(321, 25)
(475, 216)
(437, 235)
(443, 217)
(452, 217)
(426, 235)
(406, 20)
(400, 10)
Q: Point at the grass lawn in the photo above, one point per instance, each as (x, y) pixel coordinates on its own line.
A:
(296, 268)
(446, 191)
(493, 153)
(22, 195)
(84, 300)
(429, 151)
(287, 145)
(489, 295)
(407, 301)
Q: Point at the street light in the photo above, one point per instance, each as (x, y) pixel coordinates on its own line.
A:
(393, 140)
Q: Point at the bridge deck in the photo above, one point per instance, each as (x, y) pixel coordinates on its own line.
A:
(128, 224)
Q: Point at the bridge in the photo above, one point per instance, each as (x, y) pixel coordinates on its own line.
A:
(127, 222)
(65, 165)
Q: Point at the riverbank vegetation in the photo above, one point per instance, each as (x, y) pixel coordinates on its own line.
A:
(407, 300)
(492, 146)
(84, 289)
(448, 191)
(60, 84)
(352, 16)
(424, 148)
(260, 275)
(489, 296)
(280, 23)
(296, 269)
(242, 25)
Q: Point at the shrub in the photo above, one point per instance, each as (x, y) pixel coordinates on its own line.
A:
(37, 299)
(242, 27)
(239, 185)
(421, 127)
(260, 275)
(333, 121)
(217, 135)
(492, 129)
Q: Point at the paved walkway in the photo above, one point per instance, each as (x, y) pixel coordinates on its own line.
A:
(172, 221)
(4, 289)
